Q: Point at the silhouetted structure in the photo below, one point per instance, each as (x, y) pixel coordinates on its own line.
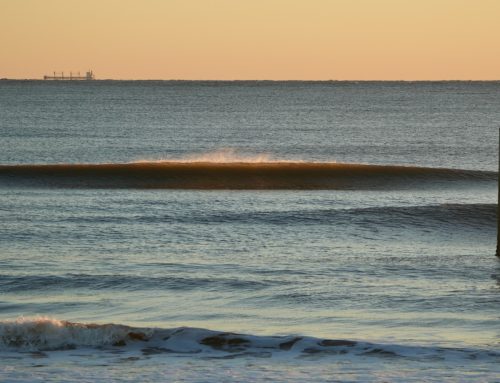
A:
(61, 77)
(498, 198)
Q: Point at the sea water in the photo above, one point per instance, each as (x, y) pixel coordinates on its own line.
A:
(124, 282)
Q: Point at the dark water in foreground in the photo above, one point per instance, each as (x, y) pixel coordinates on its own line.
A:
(298, 267)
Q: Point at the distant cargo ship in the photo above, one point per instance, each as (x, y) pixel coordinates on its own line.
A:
(72, 77)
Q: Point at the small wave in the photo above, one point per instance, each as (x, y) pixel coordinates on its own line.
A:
(47, 334)
(238, 175)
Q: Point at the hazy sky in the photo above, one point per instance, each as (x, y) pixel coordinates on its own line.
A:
(252, 39)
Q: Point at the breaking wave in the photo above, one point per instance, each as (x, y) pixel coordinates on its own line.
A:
(44, 334)
(254, 175)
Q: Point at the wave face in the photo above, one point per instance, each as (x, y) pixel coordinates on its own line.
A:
(45, 334)
(238, 175)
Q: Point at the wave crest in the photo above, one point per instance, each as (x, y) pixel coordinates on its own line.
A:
(239, 175)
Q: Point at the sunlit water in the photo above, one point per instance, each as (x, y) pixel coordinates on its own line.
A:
(408, 274)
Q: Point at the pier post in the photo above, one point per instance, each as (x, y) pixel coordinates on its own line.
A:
(498, 198)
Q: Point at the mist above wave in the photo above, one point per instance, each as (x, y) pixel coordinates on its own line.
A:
(221, 156)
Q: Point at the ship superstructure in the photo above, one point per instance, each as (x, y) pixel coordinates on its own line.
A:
(72, 76)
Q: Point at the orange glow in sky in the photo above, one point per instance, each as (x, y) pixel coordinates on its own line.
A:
(252, 39)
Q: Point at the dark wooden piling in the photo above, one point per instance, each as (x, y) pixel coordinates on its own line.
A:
(498, 197)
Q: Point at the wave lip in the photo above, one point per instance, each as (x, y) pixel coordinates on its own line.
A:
(46, 334)
(237, 175)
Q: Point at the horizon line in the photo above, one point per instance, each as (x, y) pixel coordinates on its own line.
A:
(251, 80)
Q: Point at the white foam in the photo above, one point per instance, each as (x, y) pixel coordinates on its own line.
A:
(49, 334)
(44, 333)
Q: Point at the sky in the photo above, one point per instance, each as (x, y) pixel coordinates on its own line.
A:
(252, 39)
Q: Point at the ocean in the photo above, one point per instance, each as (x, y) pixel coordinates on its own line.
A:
(249, 231)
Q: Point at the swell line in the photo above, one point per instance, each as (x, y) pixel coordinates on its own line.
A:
(237, 175)
(440, 216)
